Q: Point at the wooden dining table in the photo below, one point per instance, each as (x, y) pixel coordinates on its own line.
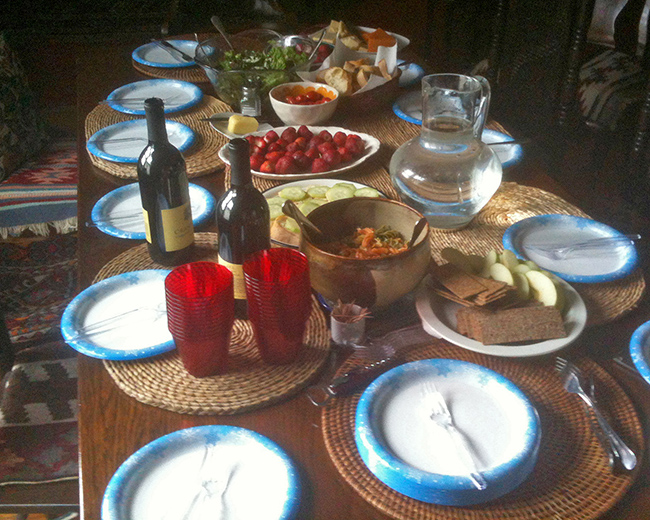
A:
(114, 425)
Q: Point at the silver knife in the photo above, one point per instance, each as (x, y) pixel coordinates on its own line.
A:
(164, 44)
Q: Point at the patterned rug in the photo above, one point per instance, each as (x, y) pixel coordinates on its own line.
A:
(36, 283)
(38, 416)
(42, 195)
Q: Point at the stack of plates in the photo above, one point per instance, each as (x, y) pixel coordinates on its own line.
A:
(405, 449)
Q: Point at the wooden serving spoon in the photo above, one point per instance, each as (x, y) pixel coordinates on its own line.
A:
(417, 229)
(306, 226)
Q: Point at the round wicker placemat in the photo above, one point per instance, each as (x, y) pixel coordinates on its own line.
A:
(163, 382)
(513, 202)
(201, 159)
(571, 480)
(193, 74)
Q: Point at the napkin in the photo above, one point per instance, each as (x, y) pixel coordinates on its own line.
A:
(342, 53)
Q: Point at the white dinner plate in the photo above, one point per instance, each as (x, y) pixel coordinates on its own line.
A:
(153, 55)
(404, 448)
(640, 350)
(272, 192)
(438, 317)
(562, 230)
(409, 108)
(372, 146)
(221, 126)
(124, 142)
(119, 212)
(177, 95)
(168, 478)
(129, 312)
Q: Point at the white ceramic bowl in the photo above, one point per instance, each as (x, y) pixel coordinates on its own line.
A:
(404, 448)
(303, 114)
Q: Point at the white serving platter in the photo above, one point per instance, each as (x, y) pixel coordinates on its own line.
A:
(372, 145)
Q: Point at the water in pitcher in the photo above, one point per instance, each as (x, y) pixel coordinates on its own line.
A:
(447, 173)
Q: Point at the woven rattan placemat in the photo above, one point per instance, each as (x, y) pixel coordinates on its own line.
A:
(193, 74)
(162, 381)
(201, 159)
(513, 202)
(571, 480)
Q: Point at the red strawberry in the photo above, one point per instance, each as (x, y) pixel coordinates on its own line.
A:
(305, 132)
(327, 146)
(303, 160)
(271, 136)
(275, 147)
(267, 167)
(259, 141)
(250, 139)
(293, 147)
(312, 153)
(314, 142)
(333, 157)
(346, 155)
(289, 134)
(319, 166)
(301, 142)
(325, 135)
(256, 161)
(356, 147)
(273, 156)
(339, 138)
(286, 164)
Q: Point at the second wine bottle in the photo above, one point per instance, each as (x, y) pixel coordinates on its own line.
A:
(242, 221)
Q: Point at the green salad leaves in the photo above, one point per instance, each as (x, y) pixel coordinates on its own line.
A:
(277, 58)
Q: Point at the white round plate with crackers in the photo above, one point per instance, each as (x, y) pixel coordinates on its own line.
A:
(438, 317)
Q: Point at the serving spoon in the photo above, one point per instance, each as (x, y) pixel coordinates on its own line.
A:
(222, 31)
(306, 226)
(417, 229)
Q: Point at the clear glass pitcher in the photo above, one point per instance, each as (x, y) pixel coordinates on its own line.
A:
(447, 173)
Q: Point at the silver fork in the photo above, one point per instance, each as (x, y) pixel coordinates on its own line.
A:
(605, 244)
(441, 415)
(112, 322)
(572, 380)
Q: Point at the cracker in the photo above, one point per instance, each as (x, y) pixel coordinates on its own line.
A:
(457, 281)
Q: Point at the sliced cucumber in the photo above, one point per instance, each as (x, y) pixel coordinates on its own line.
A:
(308, 206)
(275, 201)
(317, 192)
(275, 211)
(340, 191)
(367, 192)
(293, 193)
(345, 185)
(291, 225)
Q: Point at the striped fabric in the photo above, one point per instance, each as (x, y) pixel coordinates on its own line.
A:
(42, 195)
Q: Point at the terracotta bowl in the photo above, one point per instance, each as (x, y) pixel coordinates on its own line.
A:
(373, 283)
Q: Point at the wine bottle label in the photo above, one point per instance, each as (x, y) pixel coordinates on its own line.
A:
(239, 284)
(147, 228)
(177, 226)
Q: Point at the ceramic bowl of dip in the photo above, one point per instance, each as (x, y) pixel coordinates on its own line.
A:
(406, 450)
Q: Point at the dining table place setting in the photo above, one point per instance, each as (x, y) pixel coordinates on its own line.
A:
(375, 318)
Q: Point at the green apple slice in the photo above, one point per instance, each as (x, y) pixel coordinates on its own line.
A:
(490, 259)
(522, 285)
(521, 269)
(509, 259)
(542, 288)
(501, 273)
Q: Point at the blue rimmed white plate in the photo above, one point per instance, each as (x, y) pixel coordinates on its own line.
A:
(177, 95)
(438, 316)
(164, 479)
(640, 350)
(411, 74)
(153, 55)
(124, 142)
(122, 317)
(409, 108)
(119, 212)
(404, 448)
(562, 230)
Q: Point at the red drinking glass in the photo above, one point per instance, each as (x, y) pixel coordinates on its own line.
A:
(200, 315)
(278, 291)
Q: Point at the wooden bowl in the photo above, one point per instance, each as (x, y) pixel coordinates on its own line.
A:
(372, 283)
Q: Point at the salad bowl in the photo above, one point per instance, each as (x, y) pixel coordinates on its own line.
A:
(261, 59)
